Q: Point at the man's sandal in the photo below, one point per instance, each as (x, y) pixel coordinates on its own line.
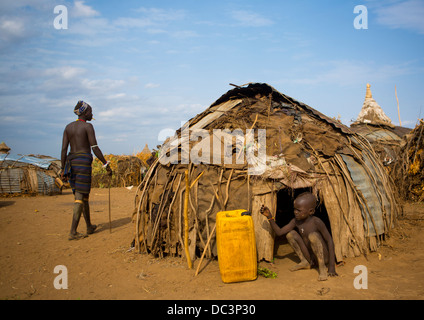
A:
(91, 229)
(76, 236)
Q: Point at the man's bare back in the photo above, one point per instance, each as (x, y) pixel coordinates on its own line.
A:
(81, 137)
(78, 134)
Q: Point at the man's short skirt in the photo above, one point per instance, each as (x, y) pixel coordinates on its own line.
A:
(78, 170)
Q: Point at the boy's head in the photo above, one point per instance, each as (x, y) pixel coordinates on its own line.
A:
(304, 205)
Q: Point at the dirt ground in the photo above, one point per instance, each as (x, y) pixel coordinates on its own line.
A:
(34, 240)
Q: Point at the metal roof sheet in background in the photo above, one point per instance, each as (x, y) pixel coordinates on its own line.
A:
(381, 135)
(42, 163)
(46, 184)
(384, 202)
(17, 179)
(365, 185)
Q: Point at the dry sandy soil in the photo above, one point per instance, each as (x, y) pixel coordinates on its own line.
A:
(34, 240)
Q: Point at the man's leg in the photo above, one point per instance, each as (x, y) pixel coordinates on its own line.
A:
(320, 252)
(299, 247)
(86, 213)
(78, 207)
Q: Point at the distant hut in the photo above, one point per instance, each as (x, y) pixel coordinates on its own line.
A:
(409, 170)
(28, 174)
(4, 148)
(378, 129)
(296, 148)
(127, 171)
(146, 149)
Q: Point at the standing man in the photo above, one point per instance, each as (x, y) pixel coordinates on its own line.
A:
(76, 166)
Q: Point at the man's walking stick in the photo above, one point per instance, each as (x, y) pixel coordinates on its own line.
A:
(110, 219)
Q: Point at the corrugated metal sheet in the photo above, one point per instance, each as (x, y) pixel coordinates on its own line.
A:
(42, 163)
(381, 192)
(10, 180)
(372, 214)
(382, 135)
(46, 184)
(20, 174)
(17, 180)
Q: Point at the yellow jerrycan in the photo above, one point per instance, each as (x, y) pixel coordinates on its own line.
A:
(236, 245)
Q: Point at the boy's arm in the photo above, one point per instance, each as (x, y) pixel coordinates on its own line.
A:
(284, 230)
(330, 245)
(278, 231)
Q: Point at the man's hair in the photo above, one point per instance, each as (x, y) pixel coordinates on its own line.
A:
(81, 108)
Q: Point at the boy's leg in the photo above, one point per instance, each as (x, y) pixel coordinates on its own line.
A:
(320, 251)
(86, 213)
(299, 247)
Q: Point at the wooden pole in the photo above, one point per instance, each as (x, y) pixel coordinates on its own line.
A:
(186, 198)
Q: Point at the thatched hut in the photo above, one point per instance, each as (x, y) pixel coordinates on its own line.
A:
(146, 149)
(373, 124)
(4, 148)
(127, 171)
(255, 146)
(409, 170)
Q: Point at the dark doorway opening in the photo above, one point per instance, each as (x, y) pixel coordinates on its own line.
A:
(284, 213)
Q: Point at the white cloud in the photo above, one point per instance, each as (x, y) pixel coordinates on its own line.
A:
(110, 113)
(82, 10)
(129, 22)
(15, 119)
(403, 15)
(250, 19)
(66, 72)
(150, 17)
(161, 15)
(189, 108)
(125, 113)
(151, 85)
(92, 28)
(184, 34)
(104, 85)
(12, 28)
(116, 96)
(408, 123)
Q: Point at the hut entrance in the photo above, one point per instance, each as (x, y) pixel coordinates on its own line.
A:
(284, 213)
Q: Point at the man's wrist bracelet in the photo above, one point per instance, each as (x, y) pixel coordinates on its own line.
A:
(270, 219)
(106, 164)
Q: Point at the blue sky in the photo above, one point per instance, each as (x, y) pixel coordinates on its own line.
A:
(147, 66)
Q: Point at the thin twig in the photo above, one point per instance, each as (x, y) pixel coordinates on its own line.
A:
(204, 251)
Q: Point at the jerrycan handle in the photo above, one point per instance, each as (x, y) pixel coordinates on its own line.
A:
(246, 213)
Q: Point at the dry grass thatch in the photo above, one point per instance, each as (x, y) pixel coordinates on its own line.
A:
(127, 171)
(409, 171)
